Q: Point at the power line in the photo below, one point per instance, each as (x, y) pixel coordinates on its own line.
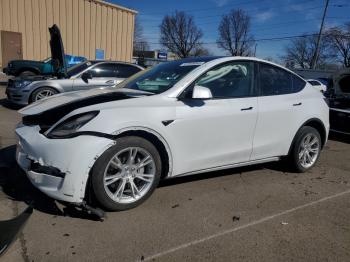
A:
(264, 28)
(272, 38)
(257, 10)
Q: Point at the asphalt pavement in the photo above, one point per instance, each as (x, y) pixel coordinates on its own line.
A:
(257, 213)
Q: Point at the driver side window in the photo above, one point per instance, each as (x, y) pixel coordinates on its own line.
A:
(229, 80)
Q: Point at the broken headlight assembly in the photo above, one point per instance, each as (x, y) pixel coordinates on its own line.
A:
(71, 125)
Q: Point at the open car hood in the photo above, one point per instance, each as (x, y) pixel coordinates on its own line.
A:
(58, 60)
(79, 99)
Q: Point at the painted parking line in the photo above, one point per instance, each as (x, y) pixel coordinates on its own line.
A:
(253, 223)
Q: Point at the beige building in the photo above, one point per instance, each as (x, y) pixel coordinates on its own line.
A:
(88, 27)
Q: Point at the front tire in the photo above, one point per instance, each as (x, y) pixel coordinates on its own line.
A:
(306, 149)
(41, 93)
(126, 174)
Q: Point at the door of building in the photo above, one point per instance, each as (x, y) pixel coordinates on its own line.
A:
(11, 46)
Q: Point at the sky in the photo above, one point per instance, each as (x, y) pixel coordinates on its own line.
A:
(269, 19)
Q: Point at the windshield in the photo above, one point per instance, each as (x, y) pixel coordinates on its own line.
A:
(160, 78)
(78, 68)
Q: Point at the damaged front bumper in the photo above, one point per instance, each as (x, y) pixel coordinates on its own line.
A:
(58, 167)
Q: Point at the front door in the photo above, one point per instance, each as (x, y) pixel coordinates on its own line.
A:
(219, 131)
(11, 47)
(103, 75)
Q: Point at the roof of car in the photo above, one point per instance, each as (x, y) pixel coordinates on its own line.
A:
(199, 59)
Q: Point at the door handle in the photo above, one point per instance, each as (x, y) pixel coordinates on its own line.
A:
(298, 104)
(111, 82)
(247, 108)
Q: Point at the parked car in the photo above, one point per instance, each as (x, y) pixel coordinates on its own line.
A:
(87, 75)
(56, 64)
(178, 118)
(317, 84)
(339, 102)
(25, 68)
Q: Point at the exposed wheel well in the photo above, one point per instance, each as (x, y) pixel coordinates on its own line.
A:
(156, 142)
(30, 69)
(318, 125)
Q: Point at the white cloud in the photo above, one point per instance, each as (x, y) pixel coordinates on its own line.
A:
(264, 16)
(220, 3)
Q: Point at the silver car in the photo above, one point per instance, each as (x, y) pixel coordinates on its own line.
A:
(87, 75)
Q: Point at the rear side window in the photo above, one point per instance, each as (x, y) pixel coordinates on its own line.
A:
(274, 81)
(298, 84)
(125, 71)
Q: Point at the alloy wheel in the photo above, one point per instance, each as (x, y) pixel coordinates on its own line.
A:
(129, 175)
(43, 94)
(309, 150)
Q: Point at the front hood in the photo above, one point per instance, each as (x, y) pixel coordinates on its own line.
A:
(58, 60)
(79, 99)
(26, 62)
(48, 111)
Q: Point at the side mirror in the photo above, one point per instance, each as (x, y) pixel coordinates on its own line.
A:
(201, 92)
(86, 76)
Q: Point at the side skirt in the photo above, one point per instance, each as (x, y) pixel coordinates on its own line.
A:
(247, 163)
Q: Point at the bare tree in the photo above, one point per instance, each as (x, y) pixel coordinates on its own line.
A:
(234, 35)
(201, 51)
(180, 35)
(300, 51)
(339, 39)
(140, 43)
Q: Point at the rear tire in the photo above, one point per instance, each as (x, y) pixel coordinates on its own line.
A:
(119, 180)
(305, 150)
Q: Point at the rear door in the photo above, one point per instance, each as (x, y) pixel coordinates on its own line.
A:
(280, 111)
(125, 71)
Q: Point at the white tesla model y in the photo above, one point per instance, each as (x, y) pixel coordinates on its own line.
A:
(177, 118)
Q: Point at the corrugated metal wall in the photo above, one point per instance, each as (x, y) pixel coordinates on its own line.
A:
(86, 25)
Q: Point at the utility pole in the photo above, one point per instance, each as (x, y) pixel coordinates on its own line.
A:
(255, 49)
(315, 57)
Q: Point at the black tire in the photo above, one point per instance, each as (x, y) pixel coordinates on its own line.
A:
(39, 90)
(27, 73)
(97, 172)
(294, 161)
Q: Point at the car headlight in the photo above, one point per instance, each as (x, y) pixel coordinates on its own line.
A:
(71, 125)
(10, 65)
(21, 84)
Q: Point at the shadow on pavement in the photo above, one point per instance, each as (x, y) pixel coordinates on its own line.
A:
(9, 105)
(15, 184)
(343, 138)
(276, 166)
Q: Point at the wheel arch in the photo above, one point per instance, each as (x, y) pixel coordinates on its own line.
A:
(318, 125)
(31, 69)
(36, 88)
(157, 140)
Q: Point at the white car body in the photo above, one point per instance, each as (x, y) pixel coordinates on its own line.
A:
(198, 135)
(317, 84)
